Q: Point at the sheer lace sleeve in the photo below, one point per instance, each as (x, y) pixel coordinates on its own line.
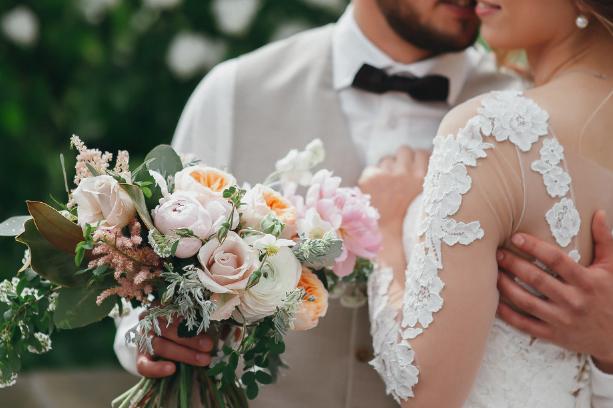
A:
(430, 331)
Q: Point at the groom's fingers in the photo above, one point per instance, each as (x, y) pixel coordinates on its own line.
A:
(147, 367)
(525, 324)
(553, 257)
(420, 163)
(201, 343)
(169, 350)
(526, 301)
(405, 158)
(532, 275)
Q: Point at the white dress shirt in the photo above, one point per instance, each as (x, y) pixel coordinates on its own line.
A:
(378, 124)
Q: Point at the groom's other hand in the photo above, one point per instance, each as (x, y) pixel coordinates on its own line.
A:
(395, 182)
(170, 348)
(577, 313)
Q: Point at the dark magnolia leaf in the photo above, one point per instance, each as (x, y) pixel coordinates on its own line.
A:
(47, 261)
(76, 307)
(164, 160)
(138, 198)
(13, 226)
(60, 232)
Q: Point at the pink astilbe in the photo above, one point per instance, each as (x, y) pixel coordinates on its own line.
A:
(135, 267)
(122, 163)
(94, 157)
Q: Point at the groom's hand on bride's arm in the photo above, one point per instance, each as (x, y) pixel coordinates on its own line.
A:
(577, 313)
(394, 183)
(170, 348)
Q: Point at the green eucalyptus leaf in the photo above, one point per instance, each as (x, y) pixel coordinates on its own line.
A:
(138, 198)
(47, 261)
(76, 307)
(164, 160)
(59, 231)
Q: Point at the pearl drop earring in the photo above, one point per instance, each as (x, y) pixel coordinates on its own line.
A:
(582, 21)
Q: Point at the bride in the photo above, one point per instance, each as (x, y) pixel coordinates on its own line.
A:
(504, 164)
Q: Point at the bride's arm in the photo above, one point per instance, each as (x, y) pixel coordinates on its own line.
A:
(430, 326)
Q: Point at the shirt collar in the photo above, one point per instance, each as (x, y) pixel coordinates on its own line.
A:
(351, 49)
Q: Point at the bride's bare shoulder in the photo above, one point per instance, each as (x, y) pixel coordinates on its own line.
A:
(457, 117)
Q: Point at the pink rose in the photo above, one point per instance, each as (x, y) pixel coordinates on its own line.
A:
(227, 266)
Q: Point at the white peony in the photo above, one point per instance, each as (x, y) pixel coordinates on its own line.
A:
(20, 25)
(275, 283)
(190, 53)
(234, 16)
(101, 199)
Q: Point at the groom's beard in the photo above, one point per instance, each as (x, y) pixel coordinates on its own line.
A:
(404, 19)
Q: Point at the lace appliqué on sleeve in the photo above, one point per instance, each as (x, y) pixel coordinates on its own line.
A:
(563, 218)
(504, 115)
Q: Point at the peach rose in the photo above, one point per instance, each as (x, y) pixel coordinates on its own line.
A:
(261, 201)
(315, 302)
(204, 181)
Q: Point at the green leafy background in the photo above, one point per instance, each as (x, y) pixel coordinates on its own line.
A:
(105, 76)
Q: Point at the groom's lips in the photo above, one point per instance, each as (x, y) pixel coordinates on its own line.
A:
(461, 8)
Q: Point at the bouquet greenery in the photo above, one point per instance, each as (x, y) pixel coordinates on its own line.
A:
(244, 264)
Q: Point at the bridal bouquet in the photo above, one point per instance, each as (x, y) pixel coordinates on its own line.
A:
(189, 244)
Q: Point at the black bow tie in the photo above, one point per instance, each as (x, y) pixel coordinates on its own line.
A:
(429, 88)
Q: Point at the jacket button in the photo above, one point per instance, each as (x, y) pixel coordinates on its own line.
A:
(364, 355)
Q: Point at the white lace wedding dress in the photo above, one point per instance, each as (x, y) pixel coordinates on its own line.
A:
(504, 171)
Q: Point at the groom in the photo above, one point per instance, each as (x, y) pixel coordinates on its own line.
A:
(382, 77)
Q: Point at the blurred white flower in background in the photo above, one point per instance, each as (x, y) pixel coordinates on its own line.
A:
(161, 4)
(94, 10)
(286, 30)
(191, 53)
(20, 25)
(234, 16)
(328, 4)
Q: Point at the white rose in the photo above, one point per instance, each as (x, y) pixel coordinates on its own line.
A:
(277, 281)
(183, 210)
(206, 182)
(101, 199)
(227, 266)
